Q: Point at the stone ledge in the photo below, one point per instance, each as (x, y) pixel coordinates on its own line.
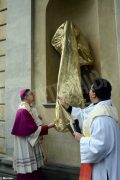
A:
(6, 169)
(3, 17)
(2, 32)
(2, 47)
(2, 145)
(2, 92)
(3, 4)
(52, 105)
(2, 129)
(49, 105)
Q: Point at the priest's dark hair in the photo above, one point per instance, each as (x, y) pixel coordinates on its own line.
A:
(25, 94)
(102, 88)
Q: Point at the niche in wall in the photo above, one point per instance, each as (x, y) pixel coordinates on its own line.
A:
(84, 14)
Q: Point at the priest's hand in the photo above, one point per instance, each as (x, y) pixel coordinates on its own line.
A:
(78, 136)
(51, 125)
(63, 102)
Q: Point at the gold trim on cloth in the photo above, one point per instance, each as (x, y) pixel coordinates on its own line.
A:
(103, 110)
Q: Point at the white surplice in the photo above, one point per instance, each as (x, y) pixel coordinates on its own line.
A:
(102, 148)
(28, 156)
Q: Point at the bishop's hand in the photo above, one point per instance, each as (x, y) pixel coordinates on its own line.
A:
(51, 125)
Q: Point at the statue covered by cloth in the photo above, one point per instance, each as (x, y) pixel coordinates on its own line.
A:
(75, 52)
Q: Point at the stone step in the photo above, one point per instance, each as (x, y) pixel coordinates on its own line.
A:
(53, 172)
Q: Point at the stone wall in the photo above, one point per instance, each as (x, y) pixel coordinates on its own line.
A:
(18, 61)
(82, 13)
(97, 20)
(99, 24)
(3, 23)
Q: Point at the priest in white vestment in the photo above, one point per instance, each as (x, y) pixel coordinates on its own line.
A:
(100, 134)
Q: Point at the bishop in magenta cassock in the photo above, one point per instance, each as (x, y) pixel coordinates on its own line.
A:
(28, 157)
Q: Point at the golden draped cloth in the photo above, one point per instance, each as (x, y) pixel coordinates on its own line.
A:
(74, 50)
